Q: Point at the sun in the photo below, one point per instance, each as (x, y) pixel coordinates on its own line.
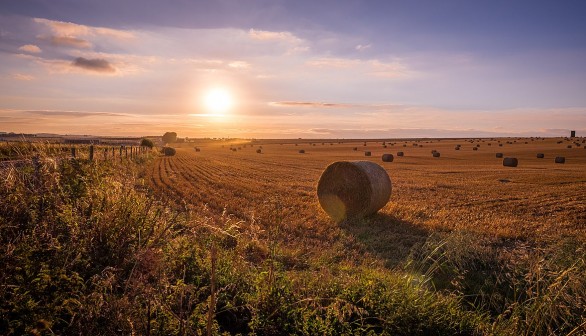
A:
(218, 101)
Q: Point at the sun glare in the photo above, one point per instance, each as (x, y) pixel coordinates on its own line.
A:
(217, 101)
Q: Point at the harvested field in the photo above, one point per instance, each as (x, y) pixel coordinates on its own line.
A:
(467, 190)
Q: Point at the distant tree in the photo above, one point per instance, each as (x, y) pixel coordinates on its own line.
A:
(169, 137)
(147, 143)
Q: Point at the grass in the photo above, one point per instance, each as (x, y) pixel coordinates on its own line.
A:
(125, 247)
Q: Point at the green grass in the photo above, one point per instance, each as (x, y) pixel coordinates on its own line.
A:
(85, 249)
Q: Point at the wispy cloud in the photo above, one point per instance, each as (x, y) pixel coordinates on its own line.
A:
(373, 67)
(30, 48)
(74, 114)
(293, 43)
(98, 65)
(67, 41)
(22, 77)
(310, 104)
(60, 28)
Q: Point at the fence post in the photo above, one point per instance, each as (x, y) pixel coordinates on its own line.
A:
(91, 152)
(121, 152)
(73, 152)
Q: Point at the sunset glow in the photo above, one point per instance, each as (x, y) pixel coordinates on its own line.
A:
(365, 70)
(218, 101)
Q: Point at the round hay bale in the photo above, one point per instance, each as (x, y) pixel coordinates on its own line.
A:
(475, 148)
(436, 154)
(457, 148)
(560, 159)
(499, 155)
(353, 189)
(258, 151)
(367, 153)
(540, 155)
(197, 149)
(355, 148)
(569, 146)
(400, 154)
(388, 157)
(510, 162)
(168, 151)
(404, 145)
(302, 151)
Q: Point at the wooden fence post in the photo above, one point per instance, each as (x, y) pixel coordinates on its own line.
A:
(73, 152)
(91, 152)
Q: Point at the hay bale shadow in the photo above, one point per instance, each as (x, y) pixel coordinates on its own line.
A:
(387, 236)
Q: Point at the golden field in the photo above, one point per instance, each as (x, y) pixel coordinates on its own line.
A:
(463, 190)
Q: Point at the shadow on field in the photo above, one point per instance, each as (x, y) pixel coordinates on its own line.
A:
(387, 236)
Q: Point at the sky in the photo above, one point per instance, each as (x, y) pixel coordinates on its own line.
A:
(293, 69)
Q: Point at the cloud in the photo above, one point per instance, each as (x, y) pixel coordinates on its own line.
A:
(30, 48)
(78, 114)
(373, 67)
(362, 47)
(60, 28)
(97, 65)
(239, 65)
(294, 44)
(68, 41)
(22, 77)
(310, 104)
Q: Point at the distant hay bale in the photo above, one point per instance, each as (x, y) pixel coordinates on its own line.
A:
(560, 159)
(540, 155)
(302, 151)
(475, 148)
(499, 155)
(169, 151)
(500, 145)
(355, 148)
(569, 146)
(400, 154)
(433, 151)
(404, 145)
(353, 189)
(436, 154)
(510, 162)
(258, 151)
(367, 153)
(197, 149)
(388, 157)
(457, 148)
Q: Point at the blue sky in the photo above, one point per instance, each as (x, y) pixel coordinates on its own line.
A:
(294, 68)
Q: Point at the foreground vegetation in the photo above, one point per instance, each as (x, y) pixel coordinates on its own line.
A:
(88, 248)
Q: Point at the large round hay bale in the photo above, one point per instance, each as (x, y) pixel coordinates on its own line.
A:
(367, 153)
(436, 154)
(355, 148)
(400, 154)
(388, 157)
(510, 162)
(499, 155)
(302, 151)
(540, 155)
(353, 189)
(258, 151)
(560, 159)
(457, 148)
(169, 151)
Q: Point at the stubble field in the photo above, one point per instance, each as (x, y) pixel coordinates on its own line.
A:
(463, 190)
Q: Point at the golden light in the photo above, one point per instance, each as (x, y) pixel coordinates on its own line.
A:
(218, 101)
